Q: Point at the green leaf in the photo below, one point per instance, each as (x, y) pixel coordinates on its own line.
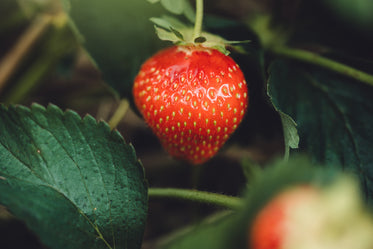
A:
(291, 137)
(177, 33)
(289, 128)
(178, 7)
(211, 233)
(171, 29)
(168, 22)
(189, 12)
(118, 36)
(75, 183)
(174, 6)
(165, 35)
(290, 131)
(334, 116)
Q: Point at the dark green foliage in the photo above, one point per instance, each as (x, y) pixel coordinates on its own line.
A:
(71, 180)
(333, 114)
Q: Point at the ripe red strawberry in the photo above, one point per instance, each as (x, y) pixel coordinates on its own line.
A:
(193, 98)
(271, 226)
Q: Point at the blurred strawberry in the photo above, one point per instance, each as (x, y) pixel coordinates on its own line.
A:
(313, 218)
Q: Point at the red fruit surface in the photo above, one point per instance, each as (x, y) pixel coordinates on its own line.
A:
(193, 98)
(271, 225)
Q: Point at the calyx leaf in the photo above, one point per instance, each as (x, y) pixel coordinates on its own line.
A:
(166, 35)
(178, 7)
(167, 22)
(174, 6)
(177, 33)
(171, 29)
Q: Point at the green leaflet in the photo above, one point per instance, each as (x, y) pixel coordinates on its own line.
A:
(289, 127)
(178, 7)
(75, 183)
(174, 6)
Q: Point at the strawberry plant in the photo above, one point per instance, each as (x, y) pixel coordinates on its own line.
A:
(186, 124)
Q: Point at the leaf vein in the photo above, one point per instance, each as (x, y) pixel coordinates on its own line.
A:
(324, 90)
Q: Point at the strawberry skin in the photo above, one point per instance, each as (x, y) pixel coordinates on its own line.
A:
(192, 98)
(271, 226)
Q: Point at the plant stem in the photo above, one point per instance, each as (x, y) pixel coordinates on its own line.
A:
(197, 196)
(119, 113)
(13, 59)
(313, 58)
(57, 43)
(199, 19)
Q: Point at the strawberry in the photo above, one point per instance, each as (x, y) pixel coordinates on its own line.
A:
(333, 216)
(271, 226)
(193, 98)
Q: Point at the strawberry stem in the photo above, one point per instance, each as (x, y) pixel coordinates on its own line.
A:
(199, 19)
(313, 58)
(119, 113)
(197, 196)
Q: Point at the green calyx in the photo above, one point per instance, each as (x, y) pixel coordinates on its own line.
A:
(171, 29)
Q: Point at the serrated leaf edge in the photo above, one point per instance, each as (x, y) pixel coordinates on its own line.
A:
(35, 107)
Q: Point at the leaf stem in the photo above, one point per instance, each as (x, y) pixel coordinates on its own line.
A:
(197, 196)
(313, 58)
(119, 113)
(199, 19)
